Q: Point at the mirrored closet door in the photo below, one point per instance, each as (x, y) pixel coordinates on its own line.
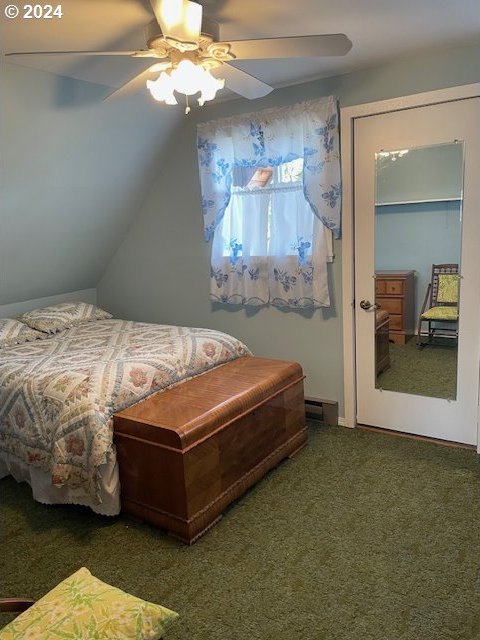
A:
(417, 269)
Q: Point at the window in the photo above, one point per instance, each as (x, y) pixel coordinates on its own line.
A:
(271, 199)
(264, 184)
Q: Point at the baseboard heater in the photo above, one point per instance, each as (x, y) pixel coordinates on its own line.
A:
(324, 410)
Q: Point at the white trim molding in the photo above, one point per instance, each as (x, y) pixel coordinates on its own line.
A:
(16, 308)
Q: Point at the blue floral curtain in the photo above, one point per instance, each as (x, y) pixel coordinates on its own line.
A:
(271, 236)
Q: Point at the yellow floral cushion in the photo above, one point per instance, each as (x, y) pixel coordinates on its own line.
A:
(85, 608)
(447, 287)
(441, 313)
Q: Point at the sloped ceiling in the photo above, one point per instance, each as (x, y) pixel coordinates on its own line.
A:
(76, 170)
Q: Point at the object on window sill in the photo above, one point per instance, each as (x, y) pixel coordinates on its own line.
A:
(260, 178)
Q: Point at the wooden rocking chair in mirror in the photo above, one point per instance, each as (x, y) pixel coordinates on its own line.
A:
(440, 306)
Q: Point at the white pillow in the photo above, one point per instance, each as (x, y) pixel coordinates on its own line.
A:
(63, 315)
(15, 332)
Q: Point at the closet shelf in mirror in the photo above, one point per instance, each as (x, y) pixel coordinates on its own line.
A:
(397, 202)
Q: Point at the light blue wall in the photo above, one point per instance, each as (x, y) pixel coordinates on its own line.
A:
(74, 171)
(160, 271)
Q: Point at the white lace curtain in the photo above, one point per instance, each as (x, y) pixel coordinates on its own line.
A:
(271, 201)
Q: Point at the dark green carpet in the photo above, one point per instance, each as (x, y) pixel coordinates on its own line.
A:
(362, 536)
(431, 371)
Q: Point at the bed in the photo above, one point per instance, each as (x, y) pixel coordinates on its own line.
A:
(58, 396)
(63, 396)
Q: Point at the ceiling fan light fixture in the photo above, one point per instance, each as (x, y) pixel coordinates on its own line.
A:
(175, 36)
(187, 78)
(210, 87)
(392, 155)
(162, 89)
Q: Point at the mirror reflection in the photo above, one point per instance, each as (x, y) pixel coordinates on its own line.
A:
(418, 217)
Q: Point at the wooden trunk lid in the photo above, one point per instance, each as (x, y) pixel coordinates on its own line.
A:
(188, 413)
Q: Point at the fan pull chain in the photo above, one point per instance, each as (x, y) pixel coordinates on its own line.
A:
(187, 108)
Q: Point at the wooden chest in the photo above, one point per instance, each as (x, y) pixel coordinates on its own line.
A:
(382, 346)
(395, 293)
(186, 453)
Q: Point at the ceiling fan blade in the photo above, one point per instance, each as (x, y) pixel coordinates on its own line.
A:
(333, 44)
(241, 82)
(136, 84)
(180, 20)
(72, 53)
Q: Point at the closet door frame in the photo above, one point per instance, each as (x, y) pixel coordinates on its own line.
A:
(348, 115)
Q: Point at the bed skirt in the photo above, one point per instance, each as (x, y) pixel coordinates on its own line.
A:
(43, 490)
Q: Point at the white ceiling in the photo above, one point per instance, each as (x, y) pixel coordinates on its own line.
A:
(378, 29)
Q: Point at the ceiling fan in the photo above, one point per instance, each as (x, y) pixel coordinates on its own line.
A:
(191, 59)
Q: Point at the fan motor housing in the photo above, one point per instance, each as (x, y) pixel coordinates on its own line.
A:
(154, 35)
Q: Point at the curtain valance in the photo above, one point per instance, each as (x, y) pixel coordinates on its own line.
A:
(269, 138)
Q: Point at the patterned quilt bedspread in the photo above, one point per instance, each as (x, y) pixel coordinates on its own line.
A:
(58, 395)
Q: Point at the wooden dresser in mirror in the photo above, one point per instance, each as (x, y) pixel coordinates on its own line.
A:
(395, 293)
